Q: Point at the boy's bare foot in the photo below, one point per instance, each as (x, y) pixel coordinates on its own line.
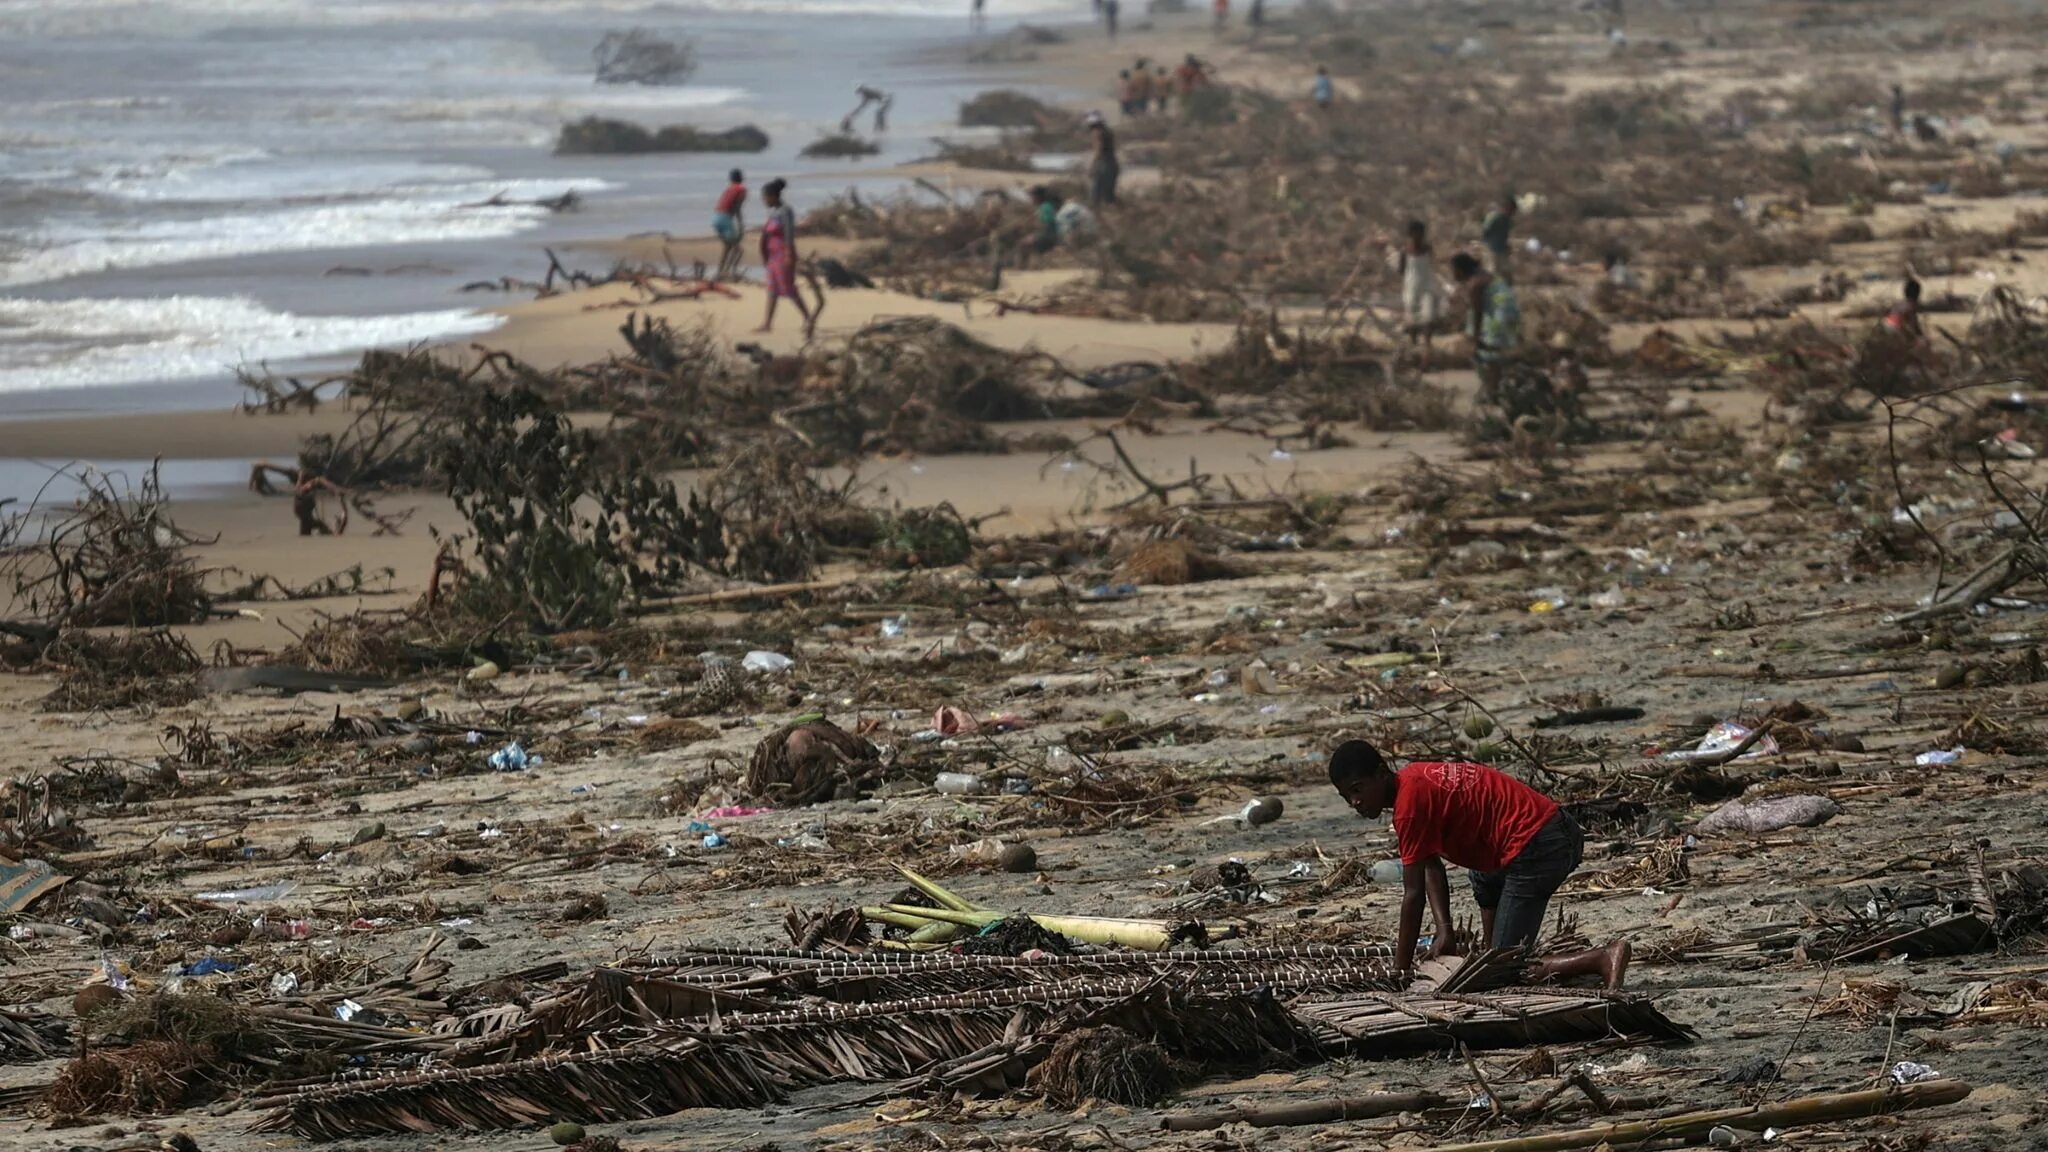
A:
(1614, 964)
(763, 330)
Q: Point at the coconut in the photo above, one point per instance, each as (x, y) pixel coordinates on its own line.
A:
(1017, 858)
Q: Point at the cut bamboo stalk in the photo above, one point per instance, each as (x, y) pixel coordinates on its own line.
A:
(1696, 1125)
(937, 891)
(1144, 935)
(1306, 1112)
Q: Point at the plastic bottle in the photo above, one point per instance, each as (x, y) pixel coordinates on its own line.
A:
(1386, 872)
(957, 783)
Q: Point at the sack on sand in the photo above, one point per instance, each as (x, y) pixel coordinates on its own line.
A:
(1769, 815)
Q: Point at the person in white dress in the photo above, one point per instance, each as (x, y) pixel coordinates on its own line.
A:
(1422, 297)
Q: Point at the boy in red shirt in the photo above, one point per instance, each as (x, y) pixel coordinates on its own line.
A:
(1516, 842)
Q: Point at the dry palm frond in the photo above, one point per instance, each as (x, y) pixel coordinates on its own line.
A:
(1665, 866)
(642, 1081)
(1865, 1001)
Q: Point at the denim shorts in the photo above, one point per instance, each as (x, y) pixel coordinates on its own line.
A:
(1520, 893)
(727, 228)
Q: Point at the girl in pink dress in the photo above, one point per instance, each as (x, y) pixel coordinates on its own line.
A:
(778, 256)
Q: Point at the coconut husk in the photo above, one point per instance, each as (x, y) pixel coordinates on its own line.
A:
(808, 763)
(809, 930)
(154, 1077)
(1172, 561)
(1108, 1064)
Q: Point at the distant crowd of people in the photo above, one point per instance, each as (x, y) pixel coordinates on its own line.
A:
(1144, 89)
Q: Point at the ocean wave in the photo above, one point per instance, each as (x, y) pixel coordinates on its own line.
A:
(74, 16)
(277, 178)
(48, 344)
(415, 215)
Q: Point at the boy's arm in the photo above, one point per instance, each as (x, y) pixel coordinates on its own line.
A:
(1422, 882)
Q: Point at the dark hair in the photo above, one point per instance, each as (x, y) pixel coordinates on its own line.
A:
(736, 176)
(1125, 74)
(1508, 202)
(774, 187)
(1912, 288)
(1418, 229)
(1464, 266)
(1353, 761)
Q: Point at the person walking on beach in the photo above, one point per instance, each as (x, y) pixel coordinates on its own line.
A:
(1496, 232)
(730, 224)
(1109, 11)
(1899, 110)
(1324, 90)
(1162, 89)
(869, 97)
(1191, 76)
(1103, 169)
(1141, 88)
(1222, 11)
(977, 14)
(1126, 93)
(1493, 318)
(778, 256)
(1517, 845)
(1422, 297)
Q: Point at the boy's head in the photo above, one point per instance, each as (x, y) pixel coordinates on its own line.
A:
(1322, 70)
(1464, 266)
(1912, 290)
(1418, 231)
(736, 176)
(1508, 205)
(1362, 777)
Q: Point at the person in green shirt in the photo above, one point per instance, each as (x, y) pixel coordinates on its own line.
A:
(1047, 210)
(1493, 317)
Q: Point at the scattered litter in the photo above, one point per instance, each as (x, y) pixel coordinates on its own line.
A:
(284, 984)
(209, 966)
(276, 891)
(766, 663)
(1940, 756)
(957, 783)
(714, 840)
(1720, 738)
(510, 758)
(1111, 592)
(1907, 1072)
(734, 811)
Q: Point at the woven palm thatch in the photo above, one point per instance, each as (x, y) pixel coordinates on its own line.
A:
(835, 976)
(1380, 1025)
(648, 1079)
(807, 763)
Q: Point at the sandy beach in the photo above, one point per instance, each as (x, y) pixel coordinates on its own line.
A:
(1033, 572)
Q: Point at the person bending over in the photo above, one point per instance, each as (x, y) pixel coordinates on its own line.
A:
(1516, 842)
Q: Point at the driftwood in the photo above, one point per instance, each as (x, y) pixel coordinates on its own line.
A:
(1306, 1112)
(1694, 1126)
(2014, 565)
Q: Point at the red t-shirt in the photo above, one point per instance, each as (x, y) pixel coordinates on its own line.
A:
(1471, 815)
(729, 201)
